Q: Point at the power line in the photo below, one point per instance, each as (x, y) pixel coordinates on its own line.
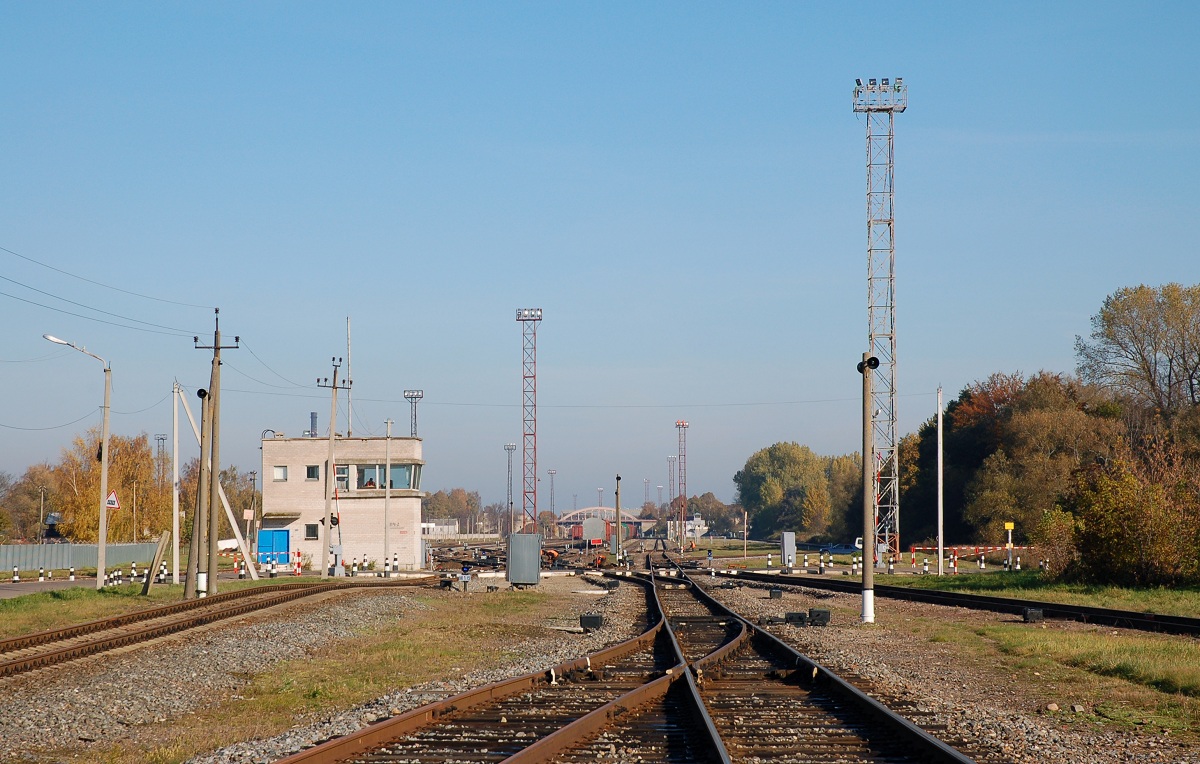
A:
(88, 307)
(100, 284)
(173, 332)
(55, 427)
(268, 368)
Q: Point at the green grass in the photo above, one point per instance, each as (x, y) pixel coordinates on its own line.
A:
(1169, 665)
(1029, 584)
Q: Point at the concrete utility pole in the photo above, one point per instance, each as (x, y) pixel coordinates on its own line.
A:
(510, 447)
(387, 490)
(214, 487)
(330, 467)
(617, 520)
(865, 367)
(940, 530)
(175, 393)
(196, 581)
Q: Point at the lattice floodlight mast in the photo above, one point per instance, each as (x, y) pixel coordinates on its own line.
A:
(412, 396)
(682, 426)
(880, 101)
(529, 319)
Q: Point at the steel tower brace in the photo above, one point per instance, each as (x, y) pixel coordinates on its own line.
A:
(880, 101)
(529, 319)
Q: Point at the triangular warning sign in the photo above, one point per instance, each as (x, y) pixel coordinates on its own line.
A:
(111, 502)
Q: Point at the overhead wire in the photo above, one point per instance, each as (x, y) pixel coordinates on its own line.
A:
(173, 332)
(101, 284)
(88, 307)
(42, 429)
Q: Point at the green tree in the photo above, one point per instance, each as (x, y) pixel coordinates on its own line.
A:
(775, 484)
(1046, 434)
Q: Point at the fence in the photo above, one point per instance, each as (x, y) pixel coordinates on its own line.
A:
(64, 556)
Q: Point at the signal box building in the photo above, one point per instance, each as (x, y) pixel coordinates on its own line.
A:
(295, 474)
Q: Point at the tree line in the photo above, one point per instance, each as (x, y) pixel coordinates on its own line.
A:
(1098, 468)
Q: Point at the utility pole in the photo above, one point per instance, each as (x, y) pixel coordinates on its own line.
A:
(196, 581)
(330, 467)
(175, 393)
(42, 515)
(214, 489)
(510, 447)
(682, 426)
(252, 523)
(349, 399)
(617, 521)
(599, 497)
(941, 539)
(646, 483)
(387, 491)
(865, 367)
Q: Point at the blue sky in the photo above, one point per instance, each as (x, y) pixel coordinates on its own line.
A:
(680, 186)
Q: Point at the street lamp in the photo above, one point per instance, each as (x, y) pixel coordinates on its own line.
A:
(103, 532)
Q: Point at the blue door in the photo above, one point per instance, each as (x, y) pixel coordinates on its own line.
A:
(273, 546)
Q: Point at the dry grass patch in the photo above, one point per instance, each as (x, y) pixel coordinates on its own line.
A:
(440, 639)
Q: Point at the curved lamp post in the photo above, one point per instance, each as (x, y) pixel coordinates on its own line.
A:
(103, 533)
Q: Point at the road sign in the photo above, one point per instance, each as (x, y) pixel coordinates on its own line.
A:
(111, 502)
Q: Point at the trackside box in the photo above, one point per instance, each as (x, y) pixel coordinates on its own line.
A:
(524, 559)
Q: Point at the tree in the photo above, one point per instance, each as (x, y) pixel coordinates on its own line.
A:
(1046, 434)
(775, 484)
(1145, 346)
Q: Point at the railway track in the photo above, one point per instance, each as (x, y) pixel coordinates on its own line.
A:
(1128, 619)
(48, 648)
(701, 684)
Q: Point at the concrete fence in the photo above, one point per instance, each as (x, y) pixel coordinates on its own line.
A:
(64, 556)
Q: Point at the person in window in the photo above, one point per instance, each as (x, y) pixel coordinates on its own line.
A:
(370, 483)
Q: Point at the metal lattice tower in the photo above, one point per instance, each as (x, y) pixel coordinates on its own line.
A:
(412, 396)
(552, 473)
(529, 319)
(880, 102)
(682, 427)
(671, 481)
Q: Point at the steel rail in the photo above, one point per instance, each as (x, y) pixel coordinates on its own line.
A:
(1129, 619)
(243, 601)
(813, 674)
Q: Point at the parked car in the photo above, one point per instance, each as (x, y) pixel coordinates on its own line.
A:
(844, 548)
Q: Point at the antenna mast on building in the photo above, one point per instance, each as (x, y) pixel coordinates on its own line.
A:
(412, 396)
(529, 319)
(682, 426)
(881, 101)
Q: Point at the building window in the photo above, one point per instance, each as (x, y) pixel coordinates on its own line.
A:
(404, 476)
(312, 472)
(341, 473)
(310, 531)
(280, 473)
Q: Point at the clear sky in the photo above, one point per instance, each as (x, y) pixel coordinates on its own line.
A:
(680, 186)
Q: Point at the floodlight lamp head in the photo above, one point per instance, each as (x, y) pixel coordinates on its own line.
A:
(858, 81)
(529, 314)
(871, 82)
(414, 394)
(885, 82)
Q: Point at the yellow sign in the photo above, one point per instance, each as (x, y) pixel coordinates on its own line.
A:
(1009, 526)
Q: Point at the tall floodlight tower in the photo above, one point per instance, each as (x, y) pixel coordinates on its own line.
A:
(529, 319)
(682, 427)
(412, 396)
(671, 490)
(552, 473)
(880, 101)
